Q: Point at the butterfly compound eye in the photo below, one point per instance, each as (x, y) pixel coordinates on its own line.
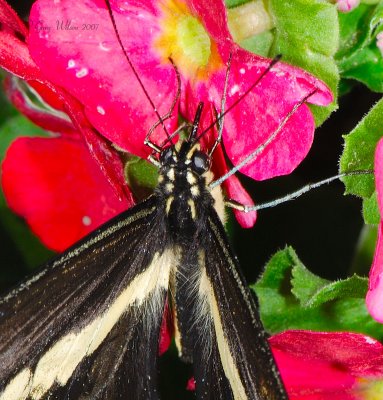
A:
(166, 155)
(201, 162)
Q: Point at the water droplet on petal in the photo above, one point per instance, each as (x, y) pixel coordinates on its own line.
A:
(123, 5)
(82, 72)
(234, 90)
(242, 71)
(100, 110)
(103, 46)
(86, 220)
(71, 64)
(369, 340)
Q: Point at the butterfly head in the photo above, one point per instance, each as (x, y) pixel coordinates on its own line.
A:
(186, 156)
(182, 181)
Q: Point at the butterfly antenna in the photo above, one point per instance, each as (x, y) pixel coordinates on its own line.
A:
(160, 119)
(220, 116)
(167, 115)
(262, 147)
(197, 118)
(294, 195)
(251, 87)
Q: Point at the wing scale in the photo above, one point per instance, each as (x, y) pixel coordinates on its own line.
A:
(219, 325)
(92, 312)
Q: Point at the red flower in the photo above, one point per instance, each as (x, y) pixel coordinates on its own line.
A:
(55, 183)
(89, 65)
(329, 366)
(374, 299)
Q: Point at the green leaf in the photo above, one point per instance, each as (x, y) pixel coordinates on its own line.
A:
(371, 210)
(358, 154)
(6, 109)
(259, 44)
(358, 56)
(31, 250)
(291, 297)
(141, 176)
(14, 127)
(235, 3)
(307, 35)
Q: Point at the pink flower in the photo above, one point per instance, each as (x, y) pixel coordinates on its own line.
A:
(73, 51)
(347, 5)
(195, 34)
(379, 42)
(374, 299)
(55, 183)
(329, 365)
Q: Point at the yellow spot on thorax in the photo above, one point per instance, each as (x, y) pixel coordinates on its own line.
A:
(169, 202)
(192, 209)
(184, 39)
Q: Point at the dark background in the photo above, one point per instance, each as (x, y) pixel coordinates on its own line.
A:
(323, 226)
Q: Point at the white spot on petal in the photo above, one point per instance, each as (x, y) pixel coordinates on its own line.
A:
(234, 90)
(82, 72)
(100, 110)
(103, 46)
(123, 5)
(71, 64)
(86, 220)
(242, 71)
(369, 340)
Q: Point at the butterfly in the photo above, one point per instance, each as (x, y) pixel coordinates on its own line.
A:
(87, 325)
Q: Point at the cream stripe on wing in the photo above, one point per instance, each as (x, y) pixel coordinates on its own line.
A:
(227, 359)
(59, 362)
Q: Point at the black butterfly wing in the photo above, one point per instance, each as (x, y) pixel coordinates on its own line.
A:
(87, 325)
(244, 350)
(219, 328)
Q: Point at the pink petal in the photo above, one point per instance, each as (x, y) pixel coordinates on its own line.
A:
(166, 330)
(374, 299)
(10, 20)
(215, 22)
(49, 96)
(58, 188)
(301, 377)
(347, 5)
(251, 122)
(360, 355)
(379, 42)
(191, 384)
(44, 119)
(326, 365)
(102, 151)
(91, 66)
(236, 192)
(15, 58)
(379, 173)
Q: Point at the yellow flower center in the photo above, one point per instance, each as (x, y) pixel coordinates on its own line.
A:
(370, 389)
(184, 39)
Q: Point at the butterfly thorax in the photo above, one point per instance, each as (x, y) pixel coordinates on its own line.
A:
(182, 189)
